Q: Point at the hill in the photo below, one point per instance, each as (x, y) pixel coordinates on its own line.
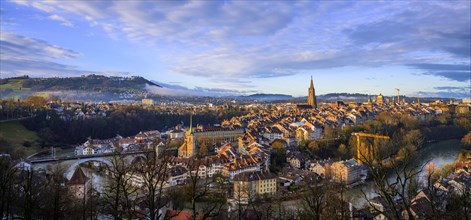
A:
(16, 140)
(90, 86)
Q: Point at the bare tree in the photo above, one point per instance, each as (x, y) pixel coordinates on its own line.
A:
(245, 199)
(30, 186)
(7, 180)
(154, 173)
(397, 192)
(119, 188)
(56, 200)
(314, 199)
(206, 202)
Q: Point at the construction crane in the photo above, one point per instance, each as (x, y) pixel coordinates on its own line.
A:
(398, 100)
(361, 134)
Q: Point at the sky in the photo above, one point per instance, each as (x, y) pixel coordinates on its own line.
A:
(244, 47)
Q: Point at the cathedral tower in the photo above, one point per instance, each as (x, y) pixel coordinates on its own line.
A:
(311, 98)
(188, 148)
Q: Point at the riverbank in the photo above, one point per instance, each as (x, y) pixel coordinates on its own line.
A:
(440, 153)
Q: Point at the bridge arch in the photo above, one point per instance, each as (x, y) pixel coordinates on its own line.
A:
(137, 158)
(70, 171)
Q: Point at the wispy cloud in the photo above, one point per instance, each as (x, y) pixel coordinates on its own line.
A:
(63, 21)
(225, 40)
(458, 72)
(448, 92)
(21, 55)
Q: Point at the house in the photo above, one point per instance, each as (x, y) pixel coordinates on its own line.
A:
(322, 168)
(77, 183)
(379, 205)
(177, 176)
(297, 160)
(84, 150)
(176, 134)
(303, 133)
(346, 172)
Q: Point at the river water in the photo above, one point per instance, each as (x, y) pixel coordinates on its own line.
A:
(440, 153)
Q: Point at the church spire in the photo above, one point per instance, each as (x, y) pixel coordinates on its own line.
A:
(311, 98)
(312, 83)
(191, 123)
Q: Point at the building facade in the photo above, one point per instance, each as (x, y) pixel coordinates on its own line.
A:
(346, 172)
(248, 186)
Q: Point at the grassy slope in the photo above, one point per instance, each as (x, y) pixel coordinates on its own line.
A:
(14, 84)
(15, 134)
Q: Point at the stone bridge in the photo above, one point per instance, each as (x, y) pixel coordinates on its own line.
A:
(70, 164)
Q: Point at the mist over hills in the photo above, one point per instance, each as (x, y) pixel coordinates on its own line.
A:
(134, 88)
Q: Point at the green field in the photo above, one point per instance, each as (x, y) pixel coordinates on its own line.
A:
(15, 84)
(12, 137)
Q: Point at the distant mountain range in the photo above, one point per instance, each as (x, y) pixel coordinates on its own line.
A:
(265, 97)
(107, 88)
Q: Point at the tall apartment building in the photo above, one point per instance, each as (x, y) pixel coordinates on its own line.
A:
(249, 185)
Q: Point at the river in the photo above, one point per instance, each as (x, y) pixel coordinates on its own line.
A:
(440, 153)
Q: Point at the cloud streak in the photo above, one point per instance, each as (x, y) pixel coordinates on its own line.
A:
(458, 72)
(21, 55)
(177, 90)
(63, 21)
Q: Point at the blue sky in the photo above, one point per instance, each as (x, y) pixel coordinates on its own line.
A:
(421, 47)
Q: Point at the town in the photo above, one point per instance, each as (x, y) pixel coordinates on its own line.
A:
(308, 158)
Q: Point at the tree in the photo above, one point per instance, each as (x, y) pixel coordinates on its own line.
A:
(277, 145)
(409, 122)
(174, 144)
(303, 144)
(245, 199)
(313, 145)
(198, 190)
(154, 173)
(391, 190)
(35, 101)
(31, 186)
(119, 188)
(343, 150)
(466, 141)
(415, 138)
(331, 132)
(57, 200)
(8, 174)
(463, 122)
(204, 140)
(203, 150)
(314, 199)
(277, 159)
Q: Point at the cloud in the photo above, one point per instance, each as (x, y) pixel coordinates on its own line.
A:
(19, 46)
(448, 92)
(223, 40)
(63, 21)
(457, 72)
(176, 90)
(23, 55)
